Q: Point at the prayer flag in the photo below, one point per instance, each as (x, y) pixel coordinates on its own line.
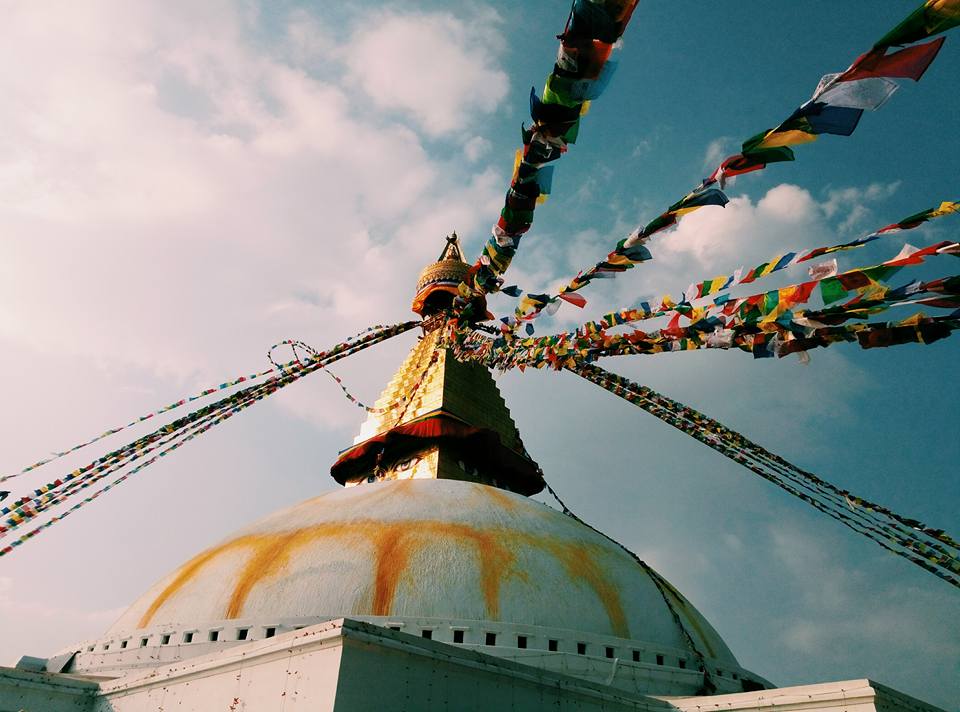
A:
(574, 299)
(784, 261)
(822, 118)
(583, 58)
(870, 93)
(932, 18)
(831, 290)
(752, 159)
(780, 138)
(590, 21)
(823, 270)
(909, 63)
(697, 199)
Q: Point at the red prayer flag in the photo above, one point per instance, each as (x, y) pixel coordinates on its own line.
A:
(909, 63)
(853, 280)
(574, 299)
(800, 294)
(673, 328)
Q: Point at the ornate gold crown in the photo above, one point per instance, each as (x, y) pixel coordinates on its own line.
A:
(445, 274)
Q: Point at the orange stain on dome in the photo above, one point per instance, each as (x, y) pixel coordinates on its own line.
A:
(185, 574)
(394, 545)
(270, 556)
(498, 496)
(270, 553)
(581, 563)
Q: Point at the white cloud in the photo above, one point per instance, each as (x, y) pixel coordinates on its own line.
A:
(819, 623)
(717, 150)
(436, 68)
(476, 148)
(178, 190)
(786, 215)
(171, 159)
(642, 148)
(851, 204)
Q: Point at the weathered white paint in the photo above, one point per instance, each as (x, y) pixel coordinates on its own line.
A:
(844, 696)
(350, 665)
(331, 568)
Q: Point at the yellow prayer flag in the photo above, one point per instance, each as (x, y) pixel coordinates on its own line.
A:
(946, 208)
(518, 156)
(913, 320)
(769, 267)
(716, 283)
(792, 137)
(945, 8)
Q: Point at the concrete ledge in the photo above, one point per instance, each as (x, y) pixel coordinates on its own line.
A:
(847, 695)
(28, 691)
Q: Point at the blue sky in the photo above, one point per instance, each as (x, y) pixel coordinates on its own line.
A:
(182, 187)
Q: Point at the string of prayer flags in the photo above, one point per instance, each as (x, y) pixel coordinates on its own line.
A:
(359, 404)
(839, 100)
(909, 223)
(743, 276)
(402, 401)
(582, 71)
(927, 547)
(310, 353)
(147, 416)
(761, 324)
(836, 107)
(171, 436)
(628, 252)
(533, 305)
(183, 401)
(29, 506)
(174, 444)
(697, 422)
(945, 208)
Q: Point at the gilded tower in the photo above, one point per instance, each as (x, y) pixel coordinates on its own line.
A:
(439, 418)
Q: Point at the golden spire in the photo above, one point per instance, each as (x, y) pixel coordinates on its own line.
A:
(440, 418)
(437, 285)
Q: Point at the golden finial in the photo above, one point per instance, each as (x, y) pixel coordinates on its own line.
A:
(437, 285)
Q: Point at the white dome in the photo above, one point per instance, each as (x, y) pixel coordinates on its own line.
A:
(430, 549)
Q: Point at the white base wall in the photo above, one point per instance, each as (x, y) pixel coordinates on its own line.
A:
(351, 665)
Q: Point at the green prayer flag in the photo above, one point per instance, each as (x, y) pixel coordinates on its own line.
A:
(881, 273)
(831, 290)
(770, 301)
(925, 21)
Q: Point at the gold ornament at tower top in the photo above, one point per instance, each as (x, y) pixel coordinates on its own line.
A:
(438, 282)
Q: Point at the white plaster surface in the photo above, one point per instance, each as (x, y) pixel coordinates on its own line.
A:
(550, 571)
(349, 665)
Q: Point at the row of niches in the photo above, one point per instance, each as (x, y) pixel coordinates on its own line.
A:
(458, 635)
(461, 635)
(187, 637)
(518, 642)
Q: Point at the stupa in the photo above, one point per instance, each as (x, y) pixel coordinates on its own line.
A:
(429, 580)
